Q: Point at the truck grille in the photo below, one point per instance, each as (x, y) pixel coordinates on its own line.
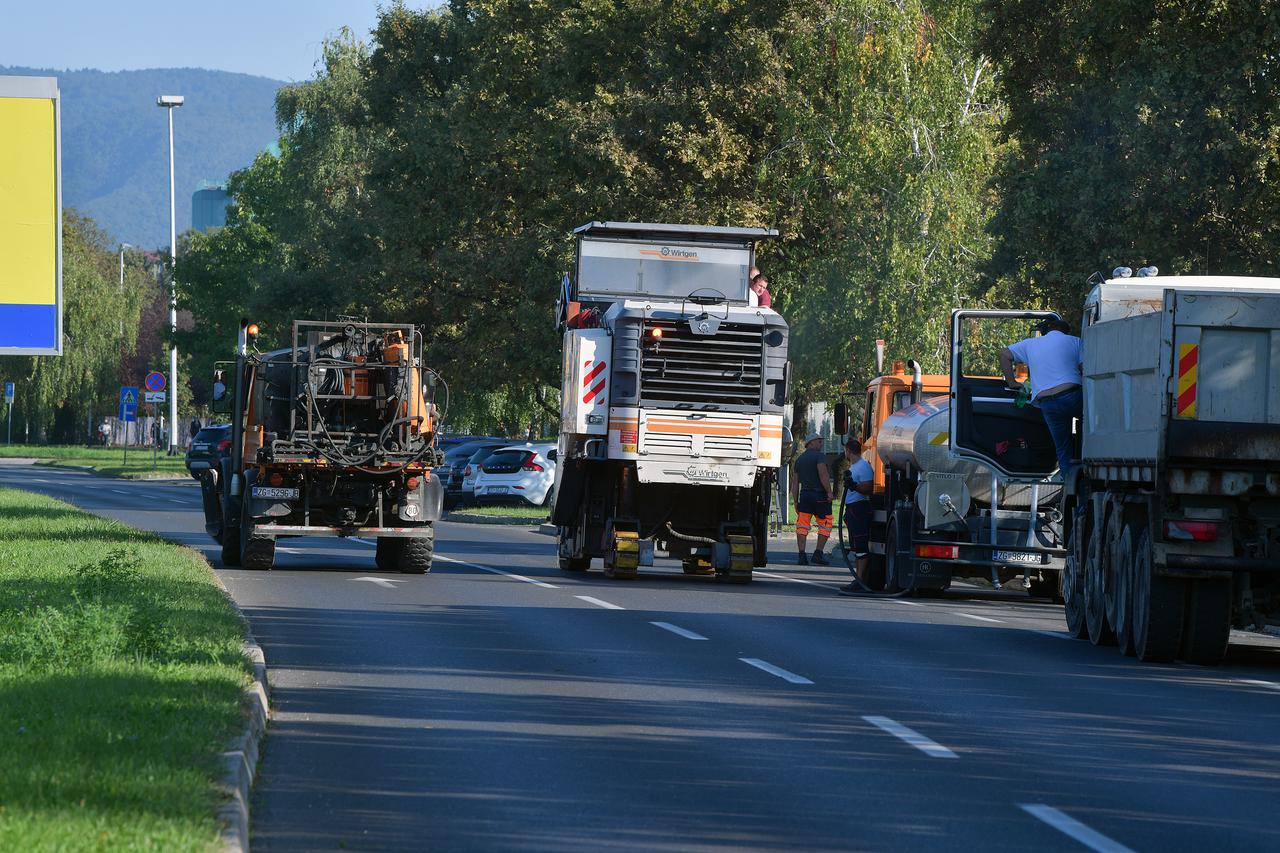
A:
(720, 369)
(728, 447)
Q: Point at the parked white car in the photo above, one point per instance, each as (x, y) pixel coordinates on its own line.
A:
(519, 473)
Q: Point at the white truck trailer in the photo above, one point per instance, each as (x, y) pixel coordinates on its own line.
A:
(1173, 516)
(672, 401)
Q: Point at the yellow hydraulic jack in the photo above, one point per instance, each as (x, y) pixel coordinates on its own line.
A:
(742, 558)
(624, 556)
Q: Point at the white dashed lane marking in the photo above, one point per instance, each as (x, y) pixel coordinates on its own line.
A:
(676, 629)
(979, 618)
(909, 735)
(599, 603)
(776, 670)
(1073, 828)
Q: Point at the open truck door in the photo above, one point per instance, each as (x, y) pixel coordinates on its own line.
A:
(987, 425)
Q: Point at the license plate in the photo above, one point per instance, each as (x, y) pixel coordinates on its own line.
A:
(279, 493)
(496, 490)
(199, 447)
(1016, 557)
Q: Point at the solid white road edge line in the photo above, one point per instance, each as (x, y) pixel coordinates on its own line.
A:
(928, 747)
(796, 580)
(1073, 828)
(598, 603)
(1259, 683)
(676, 629)
(775, 670)
(979, 618)
(502, 572)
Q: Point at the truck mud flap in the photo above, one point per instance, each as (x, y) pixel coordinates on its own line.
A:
(569, 496)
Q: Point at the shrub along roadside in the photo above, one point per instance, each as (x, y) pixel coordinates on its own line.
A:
(121, 678)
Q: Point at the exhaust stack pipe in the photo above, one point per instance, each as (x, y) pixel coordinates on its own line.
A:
(879, 357)
(242, 340)
(917, 382)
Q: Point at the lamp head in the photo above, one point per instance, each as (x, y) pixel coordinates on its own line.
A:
(169, 101)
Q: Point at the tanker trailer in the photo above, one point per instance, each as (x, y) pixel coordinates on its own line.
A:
(948, 517)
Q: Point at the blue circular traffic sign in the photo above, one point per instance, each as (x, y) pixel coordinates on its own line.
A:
(154, 381)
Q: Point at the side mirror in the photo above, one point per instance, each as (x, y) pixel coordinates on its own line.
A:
(842, 418)
(551, 455)
(429, 388)
(221, 393)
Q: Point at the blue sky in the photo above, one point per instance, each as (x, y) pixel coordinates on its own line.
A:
(272, 38)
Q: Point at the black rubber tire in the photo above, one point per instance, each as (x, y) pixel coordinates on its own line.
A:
(387, 554)
(1120, 605)
(1207, 627)
(569, 564)
(891, 557)
(1072, 582)
(416, 553)
(1095, 600)
(256, 552)
(1158, 604)
(231, 533)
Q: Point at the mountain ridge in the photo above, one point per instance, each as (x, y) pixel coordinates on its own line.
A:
(115, 141)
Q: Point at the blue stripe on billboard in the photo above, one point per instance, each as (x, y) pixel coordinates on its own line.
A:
(29, 326)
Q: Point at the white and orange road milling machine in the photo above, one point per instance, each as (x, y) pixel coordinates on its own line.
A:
(673, 391)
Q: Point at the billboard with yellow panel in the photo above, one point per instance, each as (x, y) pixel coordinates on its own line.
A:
(30, 217)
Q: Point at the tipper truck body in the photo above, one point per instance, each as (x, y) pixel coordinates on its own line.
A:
(673, 392)
(333, 435)
(1172, 517)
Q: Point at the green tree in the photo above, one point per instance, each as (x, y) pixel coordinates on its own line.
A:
(1142, 133)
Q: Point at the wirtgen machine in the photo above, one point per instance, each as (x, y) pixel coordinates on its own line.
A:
(333, 435)
(673, 393)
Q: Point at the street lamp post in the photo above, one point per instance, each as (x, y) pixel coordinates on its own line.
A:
(123, 246)
(170, 102)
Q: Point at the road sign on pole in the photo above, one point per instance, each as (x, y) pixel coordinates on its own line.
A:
(154, 382)
(8, 401)
(128, 404)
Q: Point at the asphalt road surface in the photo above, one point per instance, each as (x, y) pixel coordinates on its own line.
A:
(499, 704)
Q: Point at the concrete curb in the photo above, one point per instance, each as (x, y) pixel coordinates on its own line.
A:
(240, 759)
(505, 520)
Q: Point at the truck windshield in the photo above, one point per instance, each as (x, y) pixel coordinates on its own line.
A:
(611, 269)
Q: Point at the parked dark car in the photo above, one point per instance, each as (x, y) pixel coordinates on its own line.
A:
(208, 449)
(455, 462)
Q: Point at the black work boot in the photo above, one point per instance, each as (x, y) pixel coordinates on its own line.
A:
(820, 559)
(801, 559)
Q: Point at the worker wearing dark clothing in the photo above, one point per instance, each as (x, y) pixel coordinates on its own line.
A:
(813, 499)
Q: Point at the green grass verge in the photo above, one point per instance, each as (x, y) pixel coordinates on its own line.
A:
(532, 514)
(107, 461)
(121, 677)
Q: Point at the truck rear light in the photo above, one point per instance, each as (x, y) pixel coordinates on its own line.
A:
(938, 552)
(276, 479)
(412, 483)
(1191, 531)
(224, 445)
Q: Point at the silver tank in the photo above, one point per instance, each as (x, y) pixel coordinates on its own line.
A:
(920, 436)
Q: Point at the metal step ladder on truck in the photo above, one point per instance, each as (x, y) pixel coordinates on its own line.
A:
(1174, 512)
(333, 435)
(673, 394)
(941, 510)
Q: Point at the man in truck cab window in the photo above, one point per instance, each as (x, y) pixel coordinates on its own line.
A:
(813, 499)
(760, 295)
(1053, 359)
